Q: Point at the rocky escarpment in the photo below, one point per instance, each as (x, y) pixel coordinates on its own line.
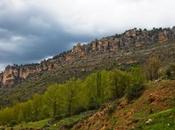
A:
(113, 47)
(14, 74)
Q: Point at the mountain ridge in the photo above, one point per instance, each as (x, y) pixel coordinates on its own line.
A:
(119, 44)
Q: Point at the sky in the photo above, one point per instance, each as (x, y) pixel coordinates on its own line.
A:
(31, 30)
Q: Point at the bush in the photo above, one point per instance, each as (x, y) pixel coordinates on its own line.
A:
(134, 91)
(170, 71)
(12, 123)
(136, 87)
(152, 68)
(119, 82)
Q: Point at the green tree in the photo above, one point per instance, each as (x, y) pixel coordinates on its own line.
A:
(152, 67)
(99, 89)
(71, 92)
(119, 81)
(27, 110)
(53, 98)
(136, 86)
(105, 82)
(37, 104)
(94, 90)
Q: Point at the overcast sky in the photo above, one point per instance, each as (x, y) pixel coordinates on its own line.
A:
(31, 30)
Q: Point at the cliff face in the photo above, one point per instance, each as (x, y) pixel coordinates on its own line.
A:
(15, 74)
(129, 40)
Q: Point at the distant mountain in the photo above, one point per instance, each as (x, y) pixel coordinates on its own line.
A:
(121, 50)
(89, 56)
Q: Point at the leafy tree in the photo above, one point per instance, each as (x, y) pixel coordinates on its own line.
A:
(7, 115)
(71, 94)
(37, 104)
(27, 110)
(105, 81)
(152, 67)
(98, 86)
(136, 86)
(119, 81)
(95, 89)
(53, 99)
(89, 86)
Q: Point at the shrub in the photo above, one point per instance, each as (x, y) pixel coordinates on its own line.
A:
(170, 71)
(119, 81)
(136, 87)
(152, 67)
(12, 123)
(134, 91)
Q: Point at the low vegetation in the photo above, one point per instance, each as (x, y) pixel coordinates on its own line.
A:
(75, 96)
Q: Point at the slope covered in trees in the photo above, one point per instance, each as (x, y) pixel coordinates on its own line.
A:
(75, 96)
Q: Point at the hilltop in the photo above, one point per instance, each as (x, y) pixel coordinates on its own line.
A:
(133, 47)
(88, 56)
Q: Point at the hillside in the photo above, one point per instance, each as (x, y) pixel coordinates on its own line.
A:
(19, 83)
(86, 57)
(153, 110)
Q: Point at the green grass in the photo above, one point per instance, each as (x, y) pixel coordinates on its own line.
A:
(164, 120)
(36, 125)
(70, 121)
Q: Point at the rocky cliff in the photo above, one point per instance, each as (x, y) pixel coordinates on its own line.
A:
(129, 41)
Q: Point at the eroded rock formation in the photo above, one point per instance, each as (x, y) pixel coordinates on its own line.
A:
(129, 40)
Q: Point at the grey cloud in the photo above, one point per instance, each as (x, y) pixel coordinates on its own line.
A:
(41, 36)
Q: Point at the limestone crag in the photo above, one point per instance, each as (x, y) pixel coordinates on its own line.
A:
(129, 40)
(17, 73)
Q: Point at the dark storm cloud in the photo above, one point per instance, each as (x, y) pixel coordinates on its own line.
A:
(29, 35)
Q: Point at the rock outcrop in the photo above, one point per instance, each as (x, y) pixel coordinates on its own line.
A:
(129, 40)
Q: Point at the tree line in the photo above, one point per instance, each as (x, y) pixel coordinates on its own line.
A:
(75, 96)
